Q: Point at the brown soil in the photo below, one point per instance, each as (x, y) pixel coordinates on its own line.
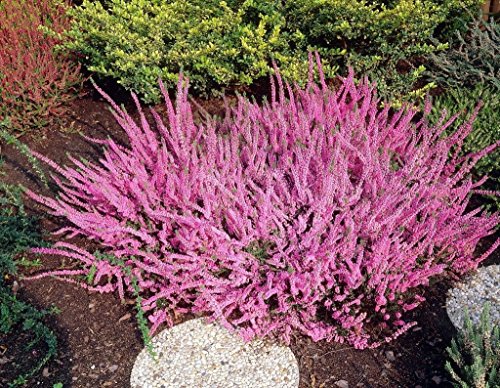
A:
(98, 336)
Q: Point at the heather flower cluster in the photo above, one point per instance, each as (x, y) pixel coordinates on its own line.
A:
(317, 212)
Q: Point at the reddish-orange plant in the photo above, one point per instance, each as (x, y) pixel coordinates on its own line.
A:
(35, 81)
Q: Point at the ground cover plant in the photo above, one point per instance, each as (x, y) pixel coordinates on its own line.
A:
(18, 319)
(233, 43)
(475, 354)
(35, 83)
(316, 212)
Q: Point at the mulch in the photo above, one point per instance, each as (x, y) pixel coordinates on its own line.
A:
(99, 338)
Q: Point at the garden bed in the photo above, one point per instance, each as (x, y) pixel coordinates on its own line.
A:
(99, 339)
(332, 212)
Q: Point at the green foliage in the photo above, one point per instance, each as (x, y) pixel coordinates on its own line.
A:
(486, 127)
(260, 249)
(473, 58)
(213, 42)
(381, 38)
(16, 316)
(28, 263)
(475, 354)
(232, 43)
(142, 322)
(18, 232)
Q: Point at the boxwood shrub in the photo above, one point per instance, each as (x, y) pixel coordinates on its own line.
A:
(233, 42)
(381, 39)
(213, 42)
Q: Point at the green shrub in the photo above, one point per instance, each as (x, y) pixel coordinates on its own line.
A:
(473, 57)
(486, 127)
(475, 354)
(382, 38)
(213, 42)
(232, 43)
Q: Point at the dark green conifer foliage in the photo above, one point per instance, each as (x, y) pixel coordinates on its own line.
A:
(475, 354)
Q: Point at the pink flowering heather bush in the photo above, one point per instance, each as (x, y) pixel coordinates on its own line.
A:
(317, 212)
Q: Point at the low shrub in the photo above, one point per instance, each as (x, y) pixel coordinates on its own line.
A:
(473, 58)
(475, 354)
(382, 39)
(486, 126)
(232, 43)
(315, 212)
(213, 42)
(35, 83)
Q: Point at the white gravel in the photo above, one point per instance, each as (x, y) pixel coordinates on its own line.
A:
(195, 354)
(481, 287)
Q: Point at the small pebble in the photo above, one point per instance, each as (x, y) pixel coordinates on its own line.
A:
(390, 356)
(126, 317)
(342, 384)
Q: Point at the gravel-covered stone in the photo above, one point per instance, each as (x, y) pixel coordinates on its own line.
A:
(202, 355)
(481, 287)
